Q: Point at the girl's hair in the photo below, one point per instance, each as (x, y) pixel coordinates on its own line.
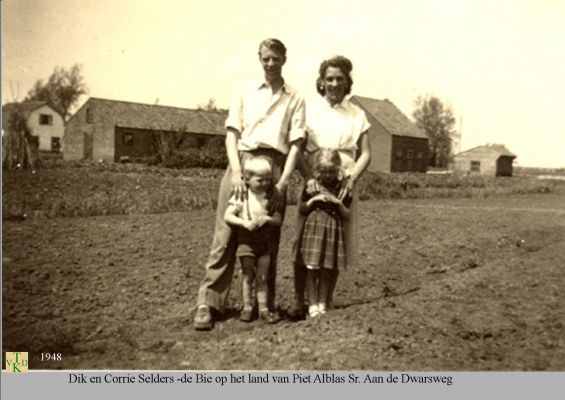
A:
(341, 62)
(257, 166)
(326, 157)
(273, 44)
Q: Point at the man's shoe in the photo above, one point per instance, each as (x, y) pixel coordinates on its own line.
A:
(203, 318)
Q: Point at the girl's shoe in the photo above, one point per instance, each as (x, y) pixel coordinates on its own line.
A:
(313, 311)
(322, 308)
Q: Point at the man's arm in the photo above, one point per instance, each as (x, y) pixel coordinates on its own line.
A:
(237, 182)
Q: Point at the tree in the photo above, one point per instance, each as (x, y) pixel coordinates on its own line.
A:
(209, 106)
(17, 151)
(62, 90)
(437, 121)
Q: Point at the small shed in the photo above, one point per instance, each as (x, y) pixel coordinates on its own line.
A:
(46, 125)
(490, 159)
(397, 144)
(104, 129)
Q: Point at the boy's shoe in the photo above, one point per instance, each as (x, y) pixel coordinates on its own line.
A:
(203, 320)
(297, 312)
(269, 317)
(246, 315)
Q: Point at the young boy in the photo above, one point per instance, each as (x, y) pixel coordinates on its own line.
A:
(255, 230)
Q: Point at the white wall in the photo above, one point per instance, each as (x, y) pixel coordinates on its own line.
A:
(46, 132)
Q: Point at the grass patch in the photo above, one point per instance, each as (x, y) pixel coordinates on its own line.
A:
(82, 189)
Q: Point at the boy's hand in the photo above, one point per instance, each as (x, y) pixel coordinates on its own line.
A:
(250, 225)
(260, 221)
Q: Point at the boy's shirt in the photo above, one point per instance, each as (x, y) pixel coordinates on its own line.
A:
(254, 206)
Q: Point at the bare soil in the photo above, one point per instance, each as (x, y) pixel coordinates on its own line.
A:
(450, 284)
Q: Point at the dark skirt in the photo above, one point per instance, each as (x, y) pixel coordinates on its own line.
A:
(322, 241)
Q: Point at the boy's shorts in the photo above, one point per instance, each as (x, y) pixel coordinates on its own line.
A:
(255, 243)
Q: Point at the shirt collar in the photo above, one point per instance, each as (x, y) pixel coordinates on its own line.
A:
(344, 105)
(263, 84)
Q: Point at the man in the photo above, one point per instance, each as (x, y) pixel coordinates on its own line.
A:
(265, 118)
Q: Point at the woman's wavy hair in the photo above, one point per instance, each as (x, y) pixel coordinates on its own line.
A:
(341, 62)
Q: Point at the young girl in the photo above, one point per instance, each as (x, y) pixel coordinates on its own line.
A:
(321, 246)
(255, 229)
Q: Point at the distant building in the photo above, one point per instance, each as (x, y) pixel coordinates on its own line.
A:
(104, 129)
(397, 144)
(490, 159)
(46, 125)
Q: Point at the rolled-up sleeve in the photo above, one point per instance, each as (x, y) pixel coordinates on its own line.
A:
(235, 114)
(297, 128)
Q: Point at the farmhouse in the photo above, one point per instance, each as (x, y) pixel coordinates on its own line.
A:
(397, 144)
(46, 125)
(104, 129)
(490, 159)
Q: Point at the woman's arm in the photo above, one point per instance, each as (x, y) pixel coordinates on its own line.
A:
(360, 165)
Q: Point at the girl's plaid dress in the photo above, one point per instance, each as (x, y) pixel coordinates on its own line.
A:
(321, 243)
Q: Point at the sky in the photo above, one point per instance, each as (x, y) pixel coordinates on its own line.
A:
(498, 64)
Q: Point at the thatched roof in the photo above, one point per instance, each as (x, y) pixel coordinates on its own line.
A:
(389, 116)
(156, 117)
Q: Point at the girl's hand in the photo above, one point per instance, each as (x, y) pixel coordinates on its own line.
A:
(238, 187)
(346, 188)
(330, 198)
(318, 197)
(312, 186)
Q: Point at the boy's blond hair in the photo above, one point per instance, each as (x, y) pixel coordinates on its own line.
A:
(257, 166)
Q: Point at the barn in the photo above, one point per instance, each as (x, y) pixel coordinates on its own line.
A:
(490, 159)
(46, 125)
(104, 129)
(397, 144)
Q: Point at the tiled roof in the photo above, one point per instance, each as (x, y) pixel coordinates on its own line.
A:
(500, 149)
(390, 117)
(156, 117)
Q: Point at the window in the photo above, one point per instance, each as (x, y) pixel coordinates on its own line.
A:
(128, 138)
(420, 155)
(409, 154)
(45, 119)
(398, 153)
(56, 144)
(34, 141)
(475, 166)
(89, 115)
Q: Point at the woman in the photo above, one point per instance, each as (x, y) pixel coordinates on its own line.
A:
(334, 122)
